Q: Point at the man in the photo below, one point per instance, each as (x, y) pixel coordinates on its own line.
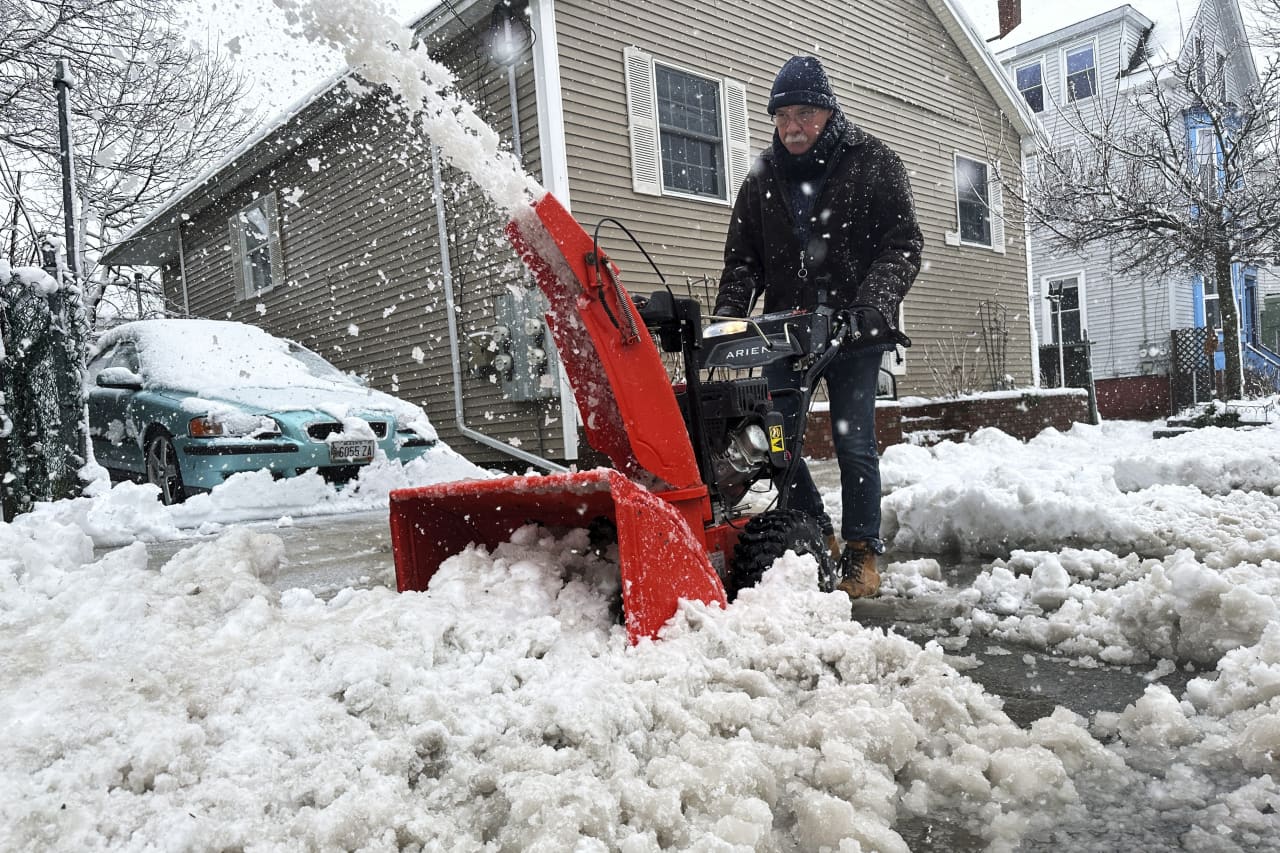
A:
(828, 207)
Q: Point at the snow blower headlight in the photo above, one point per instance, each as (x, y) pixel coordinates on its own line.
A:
(728, 327)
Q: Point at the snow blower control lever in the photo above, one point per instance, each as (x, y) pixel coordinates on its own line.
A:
(683, 457)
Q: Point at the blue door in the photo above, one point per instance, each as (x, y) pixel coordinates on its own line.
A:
(1249, 309)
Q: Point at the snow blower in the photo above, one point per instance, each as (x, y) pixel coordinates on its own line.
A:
(684, 455)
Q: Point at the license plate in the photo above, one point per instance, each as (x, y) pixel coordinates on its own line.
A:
(351, 450)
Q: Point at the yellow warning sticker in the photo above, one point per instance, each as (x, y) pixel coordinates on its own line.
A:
(776, 442)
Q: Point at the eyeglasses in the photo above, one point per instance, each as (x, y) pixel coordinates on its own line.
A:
(799, 115)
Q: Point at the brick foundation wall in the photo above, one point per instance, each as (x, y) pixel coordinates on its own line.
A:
(1020, 414)
(1133, 398)
(817, 441)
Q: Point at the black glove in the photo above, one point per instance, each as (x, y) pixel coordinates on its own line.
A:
(737, 293)
(869, 325)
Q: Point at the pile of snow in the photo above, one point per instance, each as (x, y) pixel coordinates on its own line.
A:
(197, 708)
(1113, 547)
(201, 706)
(115, 515)
(1110, 486)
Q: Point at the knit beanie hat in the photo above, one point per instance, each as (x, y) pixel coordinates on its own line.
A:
(802, 80)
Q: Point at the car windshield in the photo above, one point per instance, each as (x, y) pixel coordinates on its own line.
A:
(316, 365)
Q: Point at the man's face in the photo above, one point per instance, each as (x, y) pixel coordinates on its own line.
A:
(799, 126)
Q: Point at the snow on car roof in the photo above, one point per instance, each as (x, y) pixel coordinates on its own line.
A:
(210, 356)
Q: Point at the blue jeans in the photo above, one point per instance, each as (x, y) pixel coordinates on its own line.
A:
(851, 387)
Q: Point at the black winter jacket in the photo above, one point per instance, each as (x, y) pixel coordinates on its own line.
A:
(862, 236)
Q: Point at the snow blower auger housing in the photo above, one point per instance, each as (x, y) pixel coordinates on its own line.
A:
(683, 457)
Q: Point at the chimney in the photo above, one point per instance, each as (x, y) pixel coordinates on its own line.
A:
(1010, 16)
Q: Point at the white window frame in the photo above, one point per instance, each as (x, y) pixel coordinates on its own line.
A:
(645, 134)
(995, 205)
(240, 251)
(1091, 44)
(1044, 89)
(1046, 307)
(1209, 291)
(1205, 154)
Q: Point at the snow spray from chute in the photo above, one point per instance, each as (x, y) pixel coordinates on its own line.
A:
(654, 498)
(382, 51)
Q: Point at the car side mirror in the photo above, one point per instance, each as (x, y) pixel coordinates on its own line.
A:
(119, 377)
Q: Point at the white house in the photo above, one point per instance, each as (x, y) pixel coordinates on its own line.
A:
(1082, 62)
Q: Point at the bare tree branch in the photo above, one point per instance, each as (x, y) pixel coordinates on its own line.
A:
(150, 109)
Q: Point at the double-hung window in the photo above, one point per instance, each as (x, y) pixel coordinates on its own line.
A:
(1212, 311)
(690, 133)
(255, 247)
(1082, 73)
(688, 130)
(1206, 161)
(1065, 314)
(1031, 84)
(979, 205)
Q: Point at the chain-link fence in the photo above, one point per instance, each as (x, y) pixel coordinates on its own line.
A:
(43, 438)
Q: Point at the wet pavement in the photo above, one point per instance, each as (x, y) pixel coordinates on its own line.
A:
(322, 553)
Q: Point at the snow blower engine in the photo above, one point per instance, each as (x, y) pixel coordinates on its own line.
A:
(684, 456)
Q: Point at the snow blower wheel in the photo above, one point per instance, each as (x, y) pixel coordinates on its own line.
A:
(767, 537)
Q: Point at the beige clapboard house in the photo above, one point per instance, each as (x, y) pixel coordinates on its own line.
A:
(338, 228)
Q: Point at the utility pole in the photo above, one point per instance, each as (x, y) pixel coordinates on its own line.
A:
(63, 81)
(67, 302)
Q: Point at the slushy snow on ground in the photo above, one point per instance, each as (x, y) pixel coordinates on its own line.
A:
(199, 707)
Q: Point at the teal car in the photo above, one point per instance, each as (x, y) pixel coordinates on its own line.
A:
(185, 404)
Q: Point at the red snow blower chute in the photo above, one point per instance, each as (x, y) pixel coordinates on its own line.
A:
(684, 457)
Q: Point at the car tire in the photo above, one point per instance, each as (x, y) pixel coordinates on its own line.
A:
(163, 471)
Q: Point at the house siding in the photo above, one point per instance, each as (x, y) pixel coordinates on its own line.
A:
(898, 74)
(363, 278)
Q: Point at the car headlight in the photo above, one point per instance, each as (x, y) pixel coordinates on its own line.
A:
(251, 426)
(204, 427)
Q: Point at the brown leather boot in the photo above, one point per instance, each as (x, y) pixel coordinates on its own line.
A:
(860, 576)
(833, 546)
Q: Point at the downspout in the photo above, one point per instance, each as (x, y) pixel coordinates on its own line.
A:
(1031, 279)
(455, 358)
(555, 166)
(182, 272)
